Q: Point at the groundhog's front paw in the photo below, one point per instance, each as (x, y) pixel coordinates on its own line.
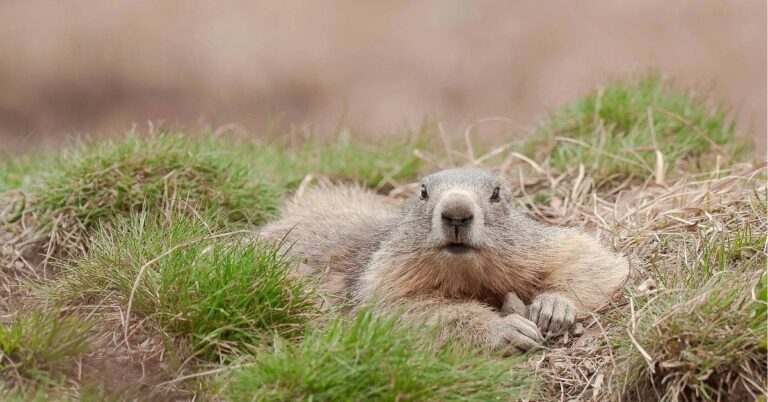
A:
(552, 313)
(513, 334)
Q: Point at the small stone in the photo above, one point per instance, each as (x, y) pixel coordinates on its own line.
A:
(648, 285)
(577, 329)
(587, 337)
(598, 382)
(747, 253)
(146, 344)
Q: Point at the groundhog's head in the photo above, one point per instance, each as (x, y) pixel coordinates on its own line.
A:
(461, 212)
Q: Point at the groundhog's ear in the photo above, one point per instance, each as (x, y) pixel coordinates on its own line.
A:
(506, 183)
(508, 189)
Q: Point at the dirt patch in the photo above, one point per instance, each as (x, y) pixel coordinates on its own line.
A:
(133, 367)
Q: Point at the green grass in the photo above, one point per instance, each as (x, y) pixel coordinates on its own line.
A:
(114, 178)
(375, 164)
(18, 171)
(707, 327)
(40, 346)
(614, 131)
(373, 358)
(220, 291)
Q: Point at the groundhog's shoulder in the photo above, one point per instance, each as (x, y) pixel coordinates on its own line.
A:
(340, 199)
(334, 227)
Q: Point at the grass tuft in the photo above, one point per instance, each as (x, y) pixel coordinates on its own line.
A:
(616, 130)
(374, 358)
(93, 184)
(220, 291)
(38, 347)
(704, 333)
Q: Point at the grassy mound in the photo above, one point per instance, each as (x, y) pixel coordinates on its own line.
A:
(704, 333)
(93, 184)
(636, 128)
(219, 291)
(375, 359)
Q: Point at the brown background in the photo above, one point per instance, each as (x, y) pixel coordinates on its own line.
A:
(99, 66)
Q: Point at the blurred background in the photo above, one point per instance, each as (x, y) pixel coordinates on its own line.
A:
(98, 67)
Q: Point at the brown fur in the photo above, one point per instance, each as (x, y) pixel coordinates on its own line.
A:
(367, 250)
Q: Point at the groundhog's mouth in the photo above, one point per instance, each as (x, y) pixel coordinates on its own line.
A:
(458, 248)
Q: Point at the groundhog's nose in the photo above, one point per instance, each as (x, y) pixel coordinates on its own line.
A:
(457, 219)
(457, 211)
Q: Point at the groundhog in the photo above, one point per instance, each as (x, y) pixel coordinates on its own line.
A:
(452, 256)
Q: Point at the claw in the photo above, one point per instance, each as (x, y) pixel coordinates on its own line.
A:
(552, 313)
(514, 332)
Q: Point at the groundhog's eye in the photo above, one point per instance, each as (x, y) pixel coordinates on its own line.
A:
(495, 195)
(424, 194)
